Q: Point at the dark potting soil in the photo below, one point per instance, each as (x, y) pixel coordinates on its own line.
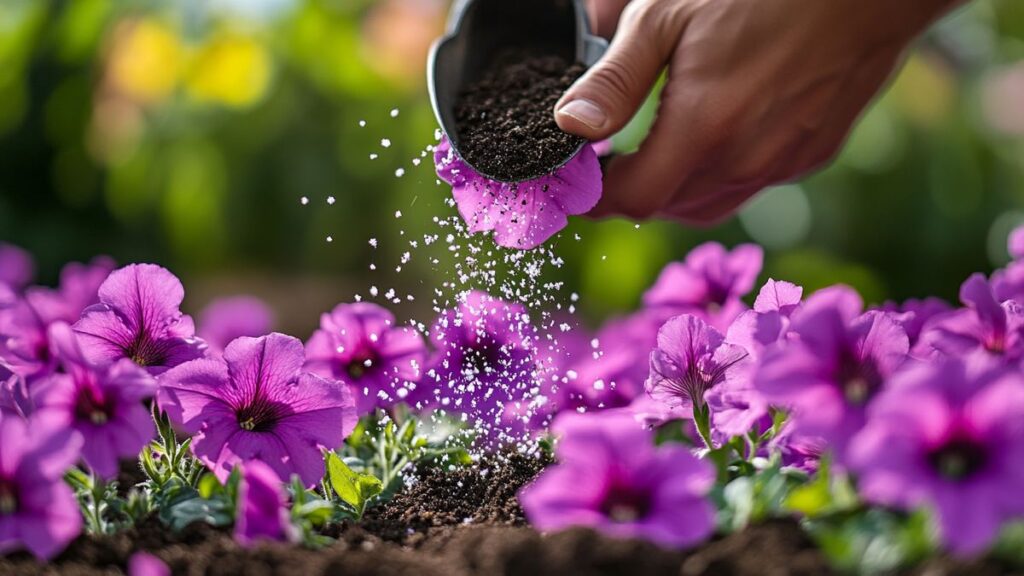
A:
(506, 121)
(462, 523)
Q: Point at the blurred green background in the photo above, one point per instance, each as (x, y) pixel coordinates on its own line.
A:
(188, 132)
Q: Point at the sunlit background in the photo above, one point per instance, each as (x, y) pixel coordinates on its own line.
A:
(224, 139)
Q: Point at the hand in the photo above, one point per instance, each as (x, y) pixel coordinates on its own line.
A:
(758, 92)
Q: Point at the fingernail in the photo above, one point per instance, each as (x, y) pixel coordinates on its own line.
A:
(585, 111)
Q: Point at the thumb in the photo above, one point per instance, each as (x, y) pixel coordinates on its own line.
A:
(604, 100)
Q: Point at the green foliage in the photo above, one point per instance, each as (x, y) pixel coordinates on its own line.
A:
(353, 488)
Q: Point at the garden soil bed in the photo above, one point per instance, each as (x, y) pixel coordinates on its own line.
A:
(455, 524)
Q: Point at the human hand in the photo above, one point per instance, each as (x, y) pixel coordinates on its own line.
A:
(758, 92)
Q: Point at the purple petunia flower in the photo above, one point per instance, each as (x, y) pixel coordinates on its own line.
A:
(948, 434)
(834, 362)
(736, 406)
(360, 345)
(609, 370)
(38, 511)
(1015, 243)
(256, 403)
(484, 363)
(138, 318)
(611, 477)
(261, 512)
(14, 397)
(24, 345)
(522, 215)
(914, 315)
(984, 326)
(145, 564)
(709, 284)
(226, 319)
(691, 359)
(103, 403)
(16, 267)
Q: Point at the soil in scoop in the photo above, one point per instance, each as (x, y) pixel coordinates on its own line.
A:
(505, 122)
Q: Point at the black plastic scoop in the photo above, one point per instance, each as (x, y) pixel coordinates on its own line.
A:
(479, 31)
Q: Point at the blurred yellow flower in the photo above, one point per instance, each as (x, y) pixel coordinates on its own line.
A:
(925, 90)
(230, 69)
(145, 60)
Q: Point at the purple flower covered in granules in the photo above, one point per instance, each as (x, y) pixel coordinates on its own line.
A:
(984, 326)
(16, 267)
(736, 406)
(609, 370)
(832, 364)
(522, 215)
(103, 403)
(484, 363)
(138, 318)
(948, 434)
(360, 345)
(691, 359)
(709, 284)
(38, 511)
(611, 477)
(261, 512)
(24, 345)
(257, 403)
(223, 320)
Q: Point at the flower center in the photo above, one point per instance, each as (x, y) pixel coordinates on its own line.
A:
(624, 504)
(959, 458)
(144, 351)
(91, 406)
(260, 416)
(858, 379)
(361, 364)
(8, 499)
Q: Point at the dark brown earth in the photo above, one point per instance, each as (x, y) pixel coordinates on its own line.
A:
(456, 524)
(506, 122)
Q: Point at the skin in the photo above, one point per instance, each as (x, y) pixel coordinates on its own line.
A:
(758, 92)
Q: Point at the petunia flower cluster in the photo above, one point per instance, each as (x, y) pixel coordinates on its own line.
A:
(918, 405)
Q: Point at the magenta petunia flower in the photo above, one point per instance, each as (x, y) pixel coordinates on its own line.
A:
(223, 320)
(521, 215)
(103, 403)
(360, 345)
(984, 325)
(38, 511)
(261, 513)
(1015, 243)
(16, 267)
(833, 363)
(484, 363)
(611, 477)
(14, 397)
(257, 403)
(24, 345)
(79, 289)
(138, 318)
(736, 406)
(913, 315)
(947, 434)
(709, 284)
(145, 564)
(691, 359)
(609, 370)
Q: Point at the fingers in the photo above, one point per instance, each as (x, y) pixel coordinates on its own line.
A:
(604, 100)
(604, 15)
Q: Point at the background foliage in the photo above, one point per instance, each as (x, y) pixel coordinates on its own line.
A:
(187, 133)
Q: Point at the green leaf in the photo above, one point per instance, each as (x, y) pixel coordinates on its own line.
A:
(208, 486)
(353, 488)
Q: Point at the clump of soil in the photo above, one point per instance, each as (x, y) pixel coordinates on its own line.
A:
(505, 122)
(484, 493)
